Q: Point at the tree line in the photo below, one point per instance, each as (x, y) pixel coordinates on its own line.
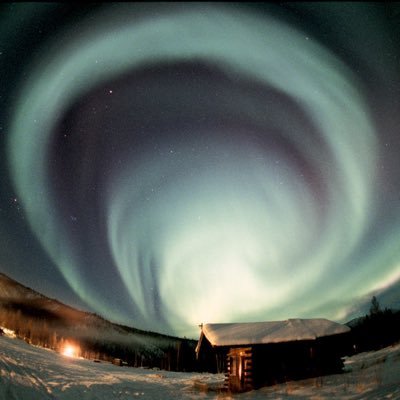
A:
(377, 329)
(133, 347)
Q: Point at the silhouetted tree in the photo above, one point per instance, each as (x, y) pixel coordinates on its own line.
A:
(375, 306)
(378, 329)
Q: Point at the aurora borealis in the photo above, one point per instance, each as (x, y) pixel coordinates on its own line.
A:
(186, 163)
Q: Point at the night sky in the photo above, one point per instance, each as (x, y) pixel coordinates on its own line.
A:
(165, 165)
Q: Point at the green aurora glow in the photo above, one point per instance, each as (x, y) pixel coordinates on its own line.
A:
(239, 232)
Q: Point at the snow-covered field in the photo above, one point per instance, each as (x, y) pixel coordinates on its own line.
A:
(28, 372)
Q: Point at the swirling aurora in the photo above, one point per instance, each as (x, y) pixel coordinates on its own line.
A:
(208, 163)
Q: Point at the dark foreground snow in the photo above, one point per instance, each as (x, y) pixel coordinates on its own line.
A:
(28, 372)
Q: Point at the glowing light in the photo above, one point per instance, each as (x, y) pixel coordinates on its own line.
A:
(70, 350)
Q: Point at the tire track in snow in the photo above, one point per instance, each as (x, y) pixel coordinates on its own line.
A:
(19, 381)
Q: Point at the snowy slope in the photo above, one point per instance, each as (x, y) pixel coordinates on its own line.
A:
(47, 321)
(28, 372)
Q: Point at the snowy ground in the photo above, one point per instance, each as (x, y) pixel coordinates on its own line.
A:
(28, 372)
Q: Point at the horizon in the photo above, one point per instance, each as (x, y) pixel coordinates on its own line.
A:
(364, 313)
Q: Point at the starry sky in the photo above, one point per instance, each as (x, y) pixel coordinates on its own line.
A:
(169, 164)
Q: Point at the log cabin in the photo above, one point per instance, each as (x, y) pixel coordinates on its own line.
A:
(258, 354)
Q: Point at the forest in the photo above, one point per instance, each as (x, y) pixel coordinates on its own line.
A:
(378, 329)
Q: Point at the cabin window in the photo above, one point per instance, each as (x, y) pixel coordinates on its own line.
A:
(233, 366)
(240, 369)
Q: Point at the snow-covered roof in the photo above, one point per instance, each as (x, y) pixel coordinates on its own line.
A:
(232, 334)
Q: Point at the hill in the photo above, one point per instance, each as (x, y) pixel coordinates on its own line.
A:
(49, 323)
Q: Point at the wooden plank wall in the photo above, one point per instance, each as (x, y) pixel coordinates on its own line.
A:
(245, 357)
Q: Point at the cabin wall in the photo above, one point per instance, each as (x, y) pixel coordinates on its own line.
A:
(253, 366)
(281, 362)
(212, 359)
(331, 350)
(264, 365)
(239, 372)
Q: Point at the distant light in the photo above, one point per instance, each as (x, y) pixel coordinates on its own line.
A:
(8, 332)
(70, 350)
